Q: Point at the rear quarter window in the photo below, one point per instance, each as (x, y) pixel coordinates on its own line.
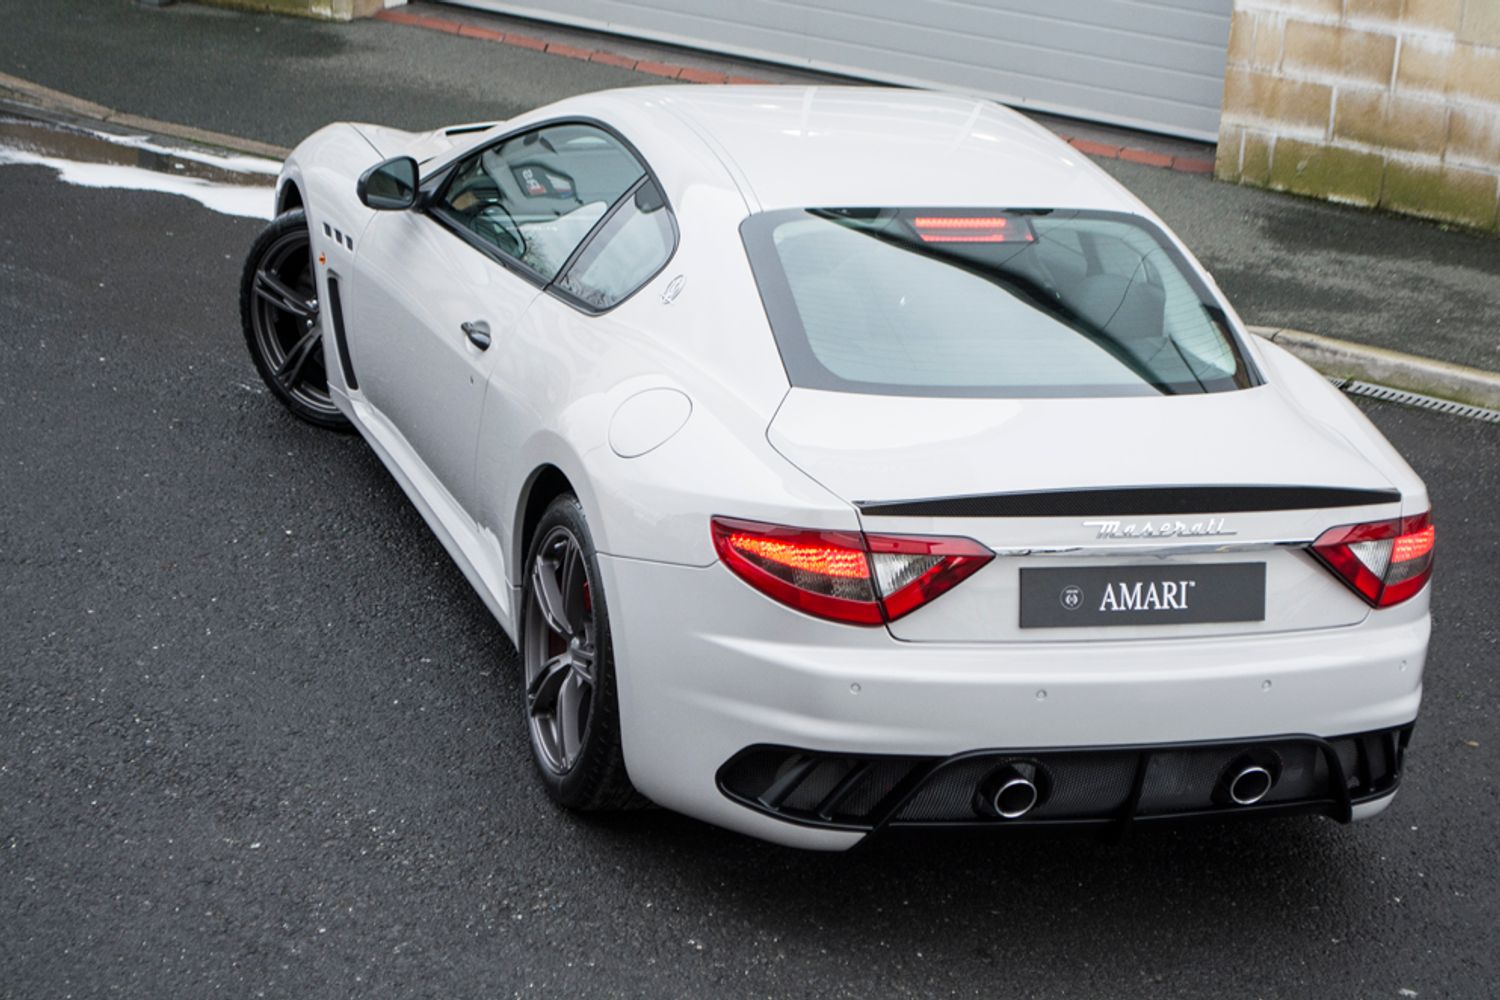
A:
(634, 243)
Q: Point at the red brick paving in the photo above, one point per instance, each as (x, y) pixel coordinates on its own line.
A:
(1145, 156)
(570, 51)
(658, 69)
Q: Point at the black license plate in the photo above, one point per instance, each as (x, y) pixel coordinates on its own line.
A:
(1091, 596)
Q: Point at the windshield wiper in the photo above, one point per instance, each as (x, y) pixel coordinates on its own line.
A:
(1030, 292)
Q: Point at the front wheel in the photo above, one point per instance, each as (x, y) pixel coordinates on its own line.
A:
(280, 315)
(572, 713)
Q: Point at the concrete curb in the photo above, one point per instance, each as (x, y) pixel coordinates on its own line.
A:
(55, 101)
(1341, 358)
(1428, 376)
(431, 20)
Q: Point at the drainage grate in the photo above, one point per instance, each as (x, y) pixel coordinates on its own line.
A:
(1383, 392)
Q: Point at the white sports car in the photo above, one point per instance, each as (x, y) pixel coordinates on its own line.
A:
(843, 459)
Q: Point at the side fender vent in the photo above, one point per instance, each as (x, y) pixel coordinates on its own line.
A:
(336, 311)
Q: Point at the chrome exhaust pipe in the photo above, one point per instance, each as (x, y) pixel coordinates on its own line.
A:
(1249, 785)
(1009, 792)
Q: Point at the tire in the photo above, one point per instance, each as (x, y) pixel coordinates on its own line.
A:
(280, 316)
(587, 772)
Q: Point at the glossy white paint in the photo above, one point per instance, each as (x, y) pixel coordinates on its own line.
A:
(647, 420)
(727, 668)
(414, 288)
(671, 408)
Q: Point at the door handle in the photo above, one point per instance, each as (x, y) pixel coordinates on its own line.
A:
(478, 332)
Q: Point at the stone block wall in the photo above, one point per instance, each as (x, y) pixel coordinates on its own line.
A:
(332, 10)
(1394, 103)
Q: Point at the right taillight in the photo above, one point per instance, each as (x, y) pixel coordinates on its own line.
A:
(1385, 562)
(845, 576)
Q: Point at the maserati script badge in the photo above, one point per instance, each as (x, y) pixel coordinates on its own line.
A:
(1212, 527)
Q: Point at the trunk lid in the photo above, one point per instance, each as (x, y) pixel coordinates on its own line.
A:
(1113, 492)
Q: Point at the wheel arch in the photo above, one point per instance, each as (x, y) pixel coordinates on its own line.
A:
(546, 483)
(289, 197)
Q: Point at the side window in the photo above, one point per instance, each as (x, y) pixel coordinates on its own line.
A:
(534, 197)
(632, 246)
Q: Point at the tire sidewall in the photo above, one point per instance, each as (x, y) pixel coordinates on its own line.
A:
(279, 227)
(580, 784)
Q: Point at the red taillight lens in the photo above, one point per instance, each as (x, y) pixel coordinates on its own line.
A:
(824, 573)
(1385, 562)
(845, 576)
(972, 229)
(960, 222)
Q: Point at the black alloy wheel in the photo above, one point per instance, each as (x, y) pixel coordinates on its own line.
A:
(572, 714)
(280, 314)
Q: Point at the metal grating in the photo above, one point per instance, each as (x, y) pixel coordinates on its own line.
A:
(1369, 390)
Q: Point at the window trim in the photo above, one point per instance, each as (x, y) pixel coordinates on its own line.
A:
(433, 189)
(804, 369)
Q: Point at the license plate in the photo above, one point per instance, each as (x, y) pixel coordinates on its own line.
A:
(1092, 596)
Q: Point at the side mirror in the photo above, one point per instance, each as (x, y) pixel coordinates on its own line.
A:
(390, 186)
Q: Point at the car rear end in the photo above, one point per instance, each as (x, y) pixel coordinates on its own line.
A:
(1097, 568)
(761, 717)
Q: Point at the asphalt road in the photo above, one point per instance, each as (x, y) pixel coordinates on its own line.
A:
(1343, 272)
(258, 738)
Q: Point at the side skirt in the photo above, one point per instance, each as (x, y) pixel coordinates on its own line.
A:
(480, 561)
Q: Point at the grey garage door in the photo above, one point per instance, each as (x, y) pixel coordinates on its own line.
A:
(1153, 64)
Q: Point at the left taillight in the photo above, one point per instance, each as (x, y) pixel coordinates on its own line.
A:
(1385, 562)
(845, 576)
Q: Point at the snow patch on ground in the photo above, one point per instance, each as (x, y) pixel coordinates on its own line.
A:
(255, 201)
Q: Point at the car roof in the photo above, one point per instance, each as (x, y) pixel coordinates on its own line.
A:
(791, 147)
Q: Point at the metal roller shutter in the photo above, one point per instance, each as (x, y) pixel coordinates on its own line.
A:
(1152, 64)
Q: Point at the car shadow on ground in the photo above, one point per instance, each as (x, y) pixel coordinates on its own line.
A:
(1037, 897)
(1045, 893)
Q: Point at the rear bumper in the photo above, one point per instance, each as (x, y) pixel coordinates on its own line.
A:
(708, 668)
(1095, 786)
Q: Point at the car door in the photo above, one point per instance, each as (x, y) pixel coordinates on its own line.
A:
(435, 290)
(565, 346)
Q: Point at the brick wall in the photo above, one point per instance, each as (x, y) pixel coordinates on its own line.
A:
(1393, 103)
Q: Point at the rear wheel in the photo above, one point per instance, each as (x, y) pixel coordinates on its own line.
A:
(280, 314)
(572, 712)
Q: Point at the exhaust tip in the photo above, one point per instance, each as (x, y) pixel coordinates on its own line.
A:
(1009, 792)
(1250, 784)
(1015, 798)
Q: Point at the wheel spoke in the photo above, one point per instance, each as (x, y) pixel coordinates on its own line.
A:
(290, 371)
(543, 695)
(285, 297)
(583, 662)
(572, 592)
(569, 725)
(549, 598)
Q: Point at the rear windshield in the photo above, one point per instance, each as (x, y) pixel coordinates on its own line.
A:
(983, 302)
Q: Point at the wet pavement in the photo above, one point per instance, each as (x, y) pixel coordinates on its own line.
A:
(90, 157)
(259, 738)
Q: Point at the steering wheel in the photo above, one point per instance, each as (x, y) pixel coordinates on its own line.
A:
(495, 223)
